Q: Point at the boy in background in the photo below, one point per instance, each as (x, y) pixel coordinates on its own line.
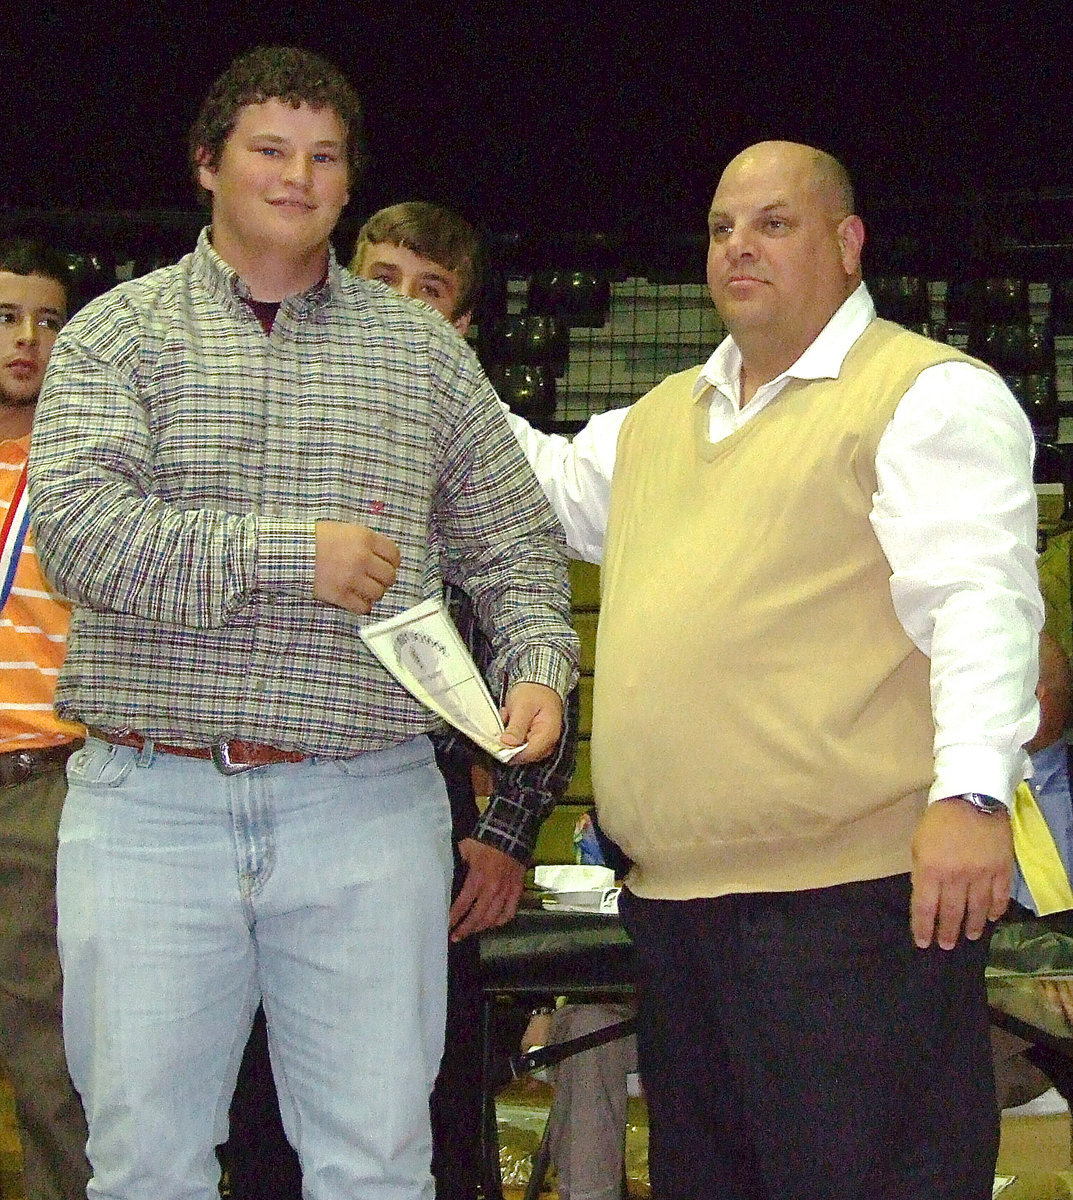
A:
(431, 254)
(34, 747)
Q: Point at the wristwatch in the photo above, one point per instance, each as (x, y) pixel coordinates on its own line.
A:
(982, 803)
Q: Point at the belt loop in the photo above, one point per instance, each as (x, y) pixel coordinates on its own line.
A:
(145, 754)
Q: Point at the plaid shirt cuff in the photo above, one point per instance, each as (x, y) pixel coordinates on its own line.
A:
(286, 556)
(512, 823)
(542, 664)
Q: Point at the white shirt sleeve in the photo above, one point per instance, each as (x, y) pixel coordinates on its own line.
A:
(575, 474)
(955, 513)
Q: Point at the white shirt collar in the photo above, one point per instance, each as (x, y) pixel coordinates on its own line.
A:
(821, 360)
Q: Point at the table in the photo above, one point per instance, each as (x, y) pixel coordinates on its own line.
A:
(554, 952)
(538, 956)
(1030, 990)
(541, 955)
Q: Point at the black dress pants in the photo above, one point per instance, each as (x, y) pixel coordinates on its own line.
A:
(798, 1045)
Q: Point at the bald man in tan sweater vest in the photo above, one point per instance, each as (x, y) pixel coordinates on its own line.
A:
(814, 678)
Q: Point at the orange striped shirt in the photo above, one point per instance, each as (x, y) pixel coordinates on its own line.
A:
(33, 637)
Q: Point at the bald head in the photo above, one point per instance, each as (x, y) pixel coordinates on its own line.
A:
(1052, 691)
(784, 252)
(833, 180)
(817, 170)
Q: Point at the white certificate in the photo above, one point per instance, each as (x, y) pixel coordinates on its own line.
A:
(425, 652)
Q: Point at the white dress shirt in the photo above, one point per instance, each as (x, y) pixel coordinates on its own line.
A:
(955, 514)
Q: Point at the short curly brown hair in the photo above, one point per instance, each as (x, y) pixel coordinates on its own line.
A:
(283, 73)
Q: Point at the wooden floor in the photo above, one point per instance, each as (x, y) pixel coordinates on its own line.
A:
(523, 1109)
(10, 1150)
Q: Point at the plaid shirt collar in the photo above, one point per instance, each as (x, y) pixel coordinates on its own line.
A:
(225, 285)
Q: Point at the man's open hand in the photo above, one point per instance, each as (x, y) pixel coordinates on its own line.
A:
(962, 870)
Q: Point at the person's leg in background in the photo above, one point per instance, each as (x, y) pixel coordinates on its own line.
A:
(587, 1134)
(1017, 1078)
(259, 1161)
(456, 1095)
(52, 1127)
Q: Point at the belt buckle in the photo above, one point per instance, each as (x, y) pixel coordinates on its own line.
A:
(220, 753)
(18, 768)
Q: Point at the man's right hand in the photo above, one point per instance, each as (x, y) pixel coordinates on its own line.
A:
(355, 565)
(962, 867)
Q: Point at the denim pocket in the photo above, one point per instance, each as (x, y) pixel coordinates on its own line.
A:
(100, 764)
(383, 764)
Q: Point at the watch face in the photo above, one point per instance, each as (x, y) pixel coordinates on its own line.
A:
(987, 804)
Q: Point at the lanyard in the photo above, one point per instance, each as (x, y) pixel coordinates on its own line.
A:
(12, 536)
(1037, 855)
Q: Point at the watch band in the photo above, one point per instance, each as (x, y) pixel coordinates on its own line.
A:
(981, 802)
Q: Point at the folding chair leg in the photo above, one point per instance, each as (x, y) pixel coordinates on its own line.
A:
(540, 1164)
(491, 1177)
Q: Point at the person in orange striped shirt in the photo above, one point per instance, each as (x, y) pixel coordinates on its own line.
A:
(34, 747)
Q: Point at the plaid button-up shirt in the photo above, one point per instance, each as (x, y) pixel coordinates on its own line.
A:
(180, 459)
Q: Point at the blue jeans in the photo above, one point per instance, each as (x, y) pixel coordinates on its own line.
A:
(185, 896)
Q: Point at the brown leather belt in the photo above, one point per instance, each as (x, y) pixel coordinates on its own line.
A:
(18, 766)
(228, 757)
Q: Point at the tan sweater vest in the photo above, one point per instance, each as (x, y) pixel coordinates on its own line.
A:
(761, 720)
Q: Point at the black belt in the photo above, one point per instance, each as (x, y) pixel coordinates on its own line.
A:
(17, 766)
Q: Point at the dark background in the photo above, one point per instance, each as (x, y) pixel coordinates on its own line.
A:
(558, 120)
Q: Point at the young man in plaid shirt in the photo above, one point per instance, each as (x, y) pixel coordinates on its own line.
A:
(239, 458)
